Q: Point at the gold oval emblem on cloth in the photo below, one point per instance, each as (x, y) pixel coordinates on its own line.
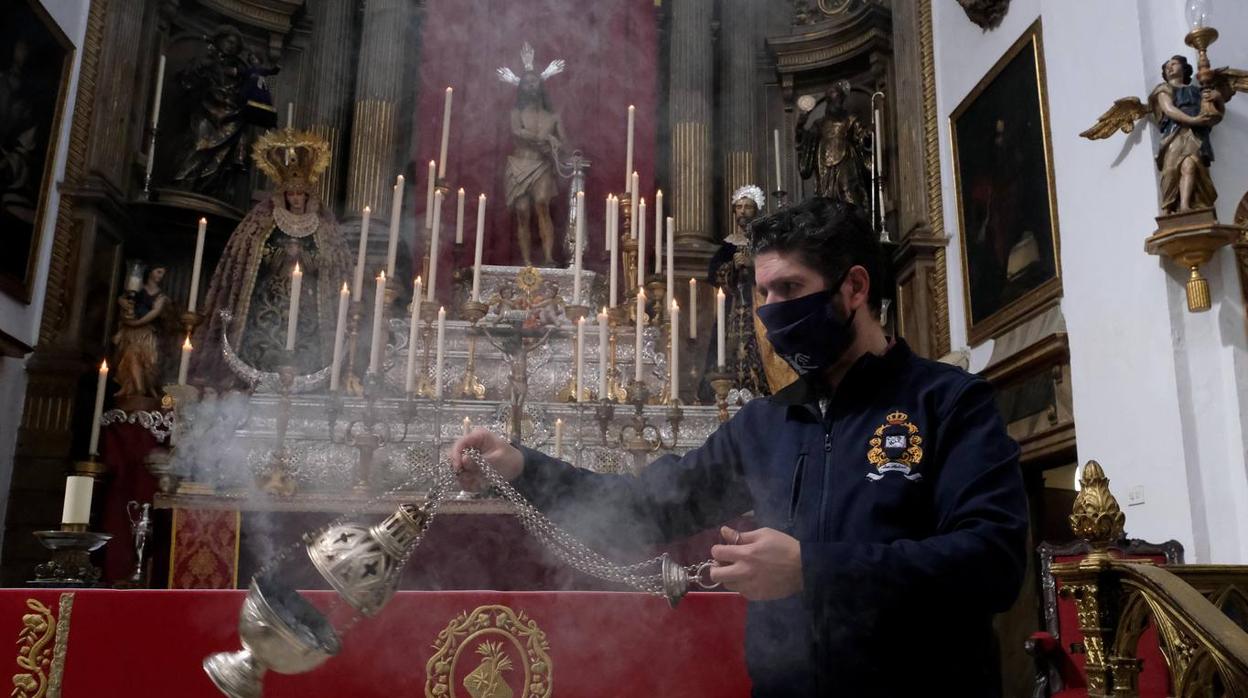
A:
(491, 652)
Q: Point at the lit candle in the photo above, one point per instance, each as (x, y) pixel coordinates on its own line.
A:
(674, 360)
(446, 135)
(459, 218)
(628, 158)
(361, 256)
(636, 187)
(192, 301)
(437, 371)
(340, 333)
(775, 134)
(641, 244)
(396, 209)
(693, 308)
(658, 231)
(77, 507)
(641, 321)
(290, 115)
(433, 175)
(185, 363)
(98, 411)
(602, 354)
(580, 358)
(292, 319)
(476, 257)
(558, 438)
(467, 426)
(671, 258)
(719, 328)
(433, 246)
(409, 383)
(580, 237)
(613, 215)
(379, 308)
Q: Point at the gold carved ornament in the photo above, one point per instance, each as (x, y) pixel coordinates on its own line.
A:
(1096, 516)
(499, 640)
(41, 645)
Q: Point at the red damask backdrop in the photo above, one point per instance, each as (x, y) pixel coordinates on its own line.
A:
(612, 55)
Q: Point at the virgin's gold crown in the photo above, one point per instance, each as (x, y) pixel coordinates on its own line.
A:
(897, 417)
(293, 159)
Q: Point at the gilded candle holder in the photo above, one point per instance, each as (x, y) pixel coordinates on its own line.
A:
(277, 479)
(424, 383)
(470, 386)
(721, 381)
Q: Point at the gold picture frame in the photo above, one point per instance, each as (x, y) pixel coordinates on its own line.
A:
(39, 56)
(1006, 201)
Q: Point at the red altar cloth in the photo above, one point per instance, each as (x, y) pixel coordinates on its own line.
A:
(152, 643)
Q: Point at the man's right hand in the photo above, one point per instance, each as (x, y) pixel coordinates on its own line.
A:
(496, 450)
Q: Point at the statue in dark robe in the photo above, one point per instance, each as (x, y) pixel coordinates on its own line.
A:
(835, 149)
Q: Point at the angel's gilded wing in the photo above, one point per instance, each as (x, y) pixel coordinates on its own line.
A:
(1120, 117)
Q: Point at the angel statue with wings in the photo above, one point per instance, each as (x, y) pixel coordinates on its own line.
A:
(530, 175)
(1186, 111)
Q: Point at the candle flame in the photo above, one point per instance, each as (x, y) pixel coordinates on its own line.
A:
(417, 282)
(297, 272)
(675, 305)
(186, 345)
(367, 210)
(450, 89)
(104, 366)
(203, 221)
(580, 320)
(345, 290)
(381, 276)
(631, 107)
(559, 422)
(603, 311)
(399, 179)
(461, 191)
(693, 282)
(658, 193)
(482, 197)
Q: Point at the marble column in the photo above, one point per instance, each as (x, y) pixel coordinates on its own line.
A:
(330, 77)
(372, 167)
(743, 157)
(690, 98)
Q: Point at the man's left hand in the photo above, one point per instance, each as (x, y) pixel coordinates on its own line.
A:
(760, 565)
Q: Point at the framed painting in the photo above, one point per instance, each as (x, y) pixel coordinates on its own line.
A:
(35, 60)
(1007, 209)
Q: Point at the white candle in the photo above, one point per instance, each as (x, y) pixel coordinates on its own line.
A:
(674, 359)
(459, 218)
(437, 371)
(636, 187)
(658, 231)
(602, 354)
(77, 507)
(641, 320)
(379, 308)
(396, 209)
(606, 221)
(160, 91)
(613, 215)
(340, 334)
(628, 158)
(409, 382)
(476, 257)
(467, 426)
(720, 354)
(671, 258)
(362, 255)
(292, 319)
(580, 237)
(290, 115)
(433, 246)
(641, 244)
(775, 134)
(580, 358)
(878, 156)
(693, 308)
(185, 363)
(446, 132)
(433, 175)
(558, 438)
(98, 411)
(192, 301)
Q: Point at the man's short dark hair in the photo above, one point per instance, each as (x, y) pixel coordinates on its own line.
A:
(827, 235)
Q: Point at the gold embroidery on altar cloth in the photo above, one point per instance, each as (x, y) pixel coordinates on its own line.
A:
(498, 652)
(42, 642)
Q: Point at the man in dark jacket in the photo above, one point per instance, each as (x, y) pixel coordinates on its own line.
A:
(891, 502)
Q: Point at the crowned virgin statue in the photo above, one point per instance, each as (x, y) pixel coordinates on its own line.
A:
(253, 279)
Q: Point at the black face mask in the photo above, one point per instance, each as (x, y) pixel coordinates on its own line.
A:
(806, 332)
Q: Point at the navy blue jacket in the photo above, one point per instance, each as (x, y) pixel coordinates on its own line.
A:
(908, 502)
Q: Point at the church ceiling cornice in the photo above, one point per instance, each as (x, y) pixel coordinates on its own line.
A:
(270, 15)
(833, 41)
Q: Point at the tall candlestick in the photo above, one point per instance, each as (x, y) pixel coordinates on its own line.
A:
(641, 244)
(476, 257)
(446, 135)
(671, 257)
(693, 308)
(602, 354)
(641, 321)
(878, 156)
(658, 231)
(636, 186)
(396, 209)
(720, 353)
(77, 507)
(184, 363)
(580, 238)
(558, 438)
(467, 426)
(361, 256)
(160, 91)
(340, 334)
(290, 115)
(409, 383)
(775, 134)
(379, 308)
(580, 358)
(433, 176)
(628, 158)
(437, 371)
(292, 319)
(98, 411)
(613, 237)
(192, 300)
(433, 246)
(459, 218)
(674, 359)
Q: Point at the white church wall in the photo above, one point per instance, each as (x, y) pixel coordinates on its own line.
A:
(22, 320)
(1158, 392)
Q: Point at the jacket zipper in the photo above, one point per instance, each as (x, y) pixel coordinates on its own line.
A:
(827, 483)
